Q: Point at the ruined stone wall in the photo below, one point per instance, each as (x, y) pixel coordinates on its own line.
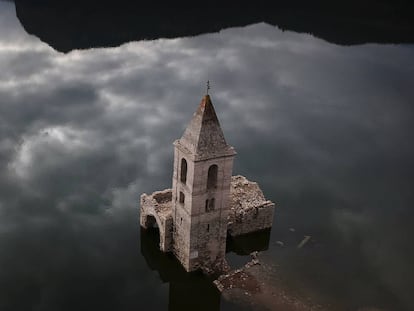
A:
(259, 218)
(249, 210)
(158, 205)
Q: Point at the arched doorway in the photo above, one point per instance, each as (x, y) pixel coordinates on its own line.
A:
(151, 222)
(150, 233)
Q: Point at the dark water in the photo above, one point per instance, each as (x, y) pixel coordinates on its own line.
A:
(326, 130)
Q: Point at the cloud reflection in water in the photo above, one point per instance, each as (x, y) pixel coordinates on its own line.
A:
(326, 130)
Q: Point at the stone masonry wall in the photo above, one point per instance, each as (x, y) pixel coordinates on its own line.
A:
(249, 210)
(158, 205)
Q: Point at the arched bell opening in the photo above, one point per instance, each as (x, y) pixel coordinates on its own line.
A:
(212, 177)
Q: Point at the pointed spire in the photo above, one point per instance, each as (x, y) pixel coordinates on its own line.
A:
(203, 137)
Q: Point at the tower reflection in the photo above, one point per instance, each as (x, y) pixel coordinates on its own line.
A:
(194, 291)
(187, 291)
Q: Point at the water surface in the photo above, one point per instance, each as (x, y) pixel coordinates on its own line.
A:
(326, 130)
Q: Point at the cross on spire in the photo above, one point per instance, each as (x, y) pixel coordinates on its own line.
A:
(203, 136)
(208, 86)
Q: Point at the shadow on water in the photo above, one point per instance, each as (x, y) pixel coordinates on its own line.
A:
(187, 291)
(245, 244)
(190, 291)
(239, 248)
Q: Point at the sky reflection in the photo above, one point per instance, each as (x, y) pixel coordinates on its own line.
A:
(326, 130)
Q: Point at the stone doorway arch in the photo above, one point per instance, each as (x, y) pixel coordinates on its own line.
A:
(150, 222)
(155, 212)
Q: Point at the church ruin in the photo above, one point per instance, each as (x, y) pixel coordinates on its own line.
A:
(206, 203)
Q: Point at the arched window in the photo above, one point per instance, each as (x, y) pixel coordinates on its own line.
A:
(182, 198)
(210, 205)
(212, 177)
(183, 173)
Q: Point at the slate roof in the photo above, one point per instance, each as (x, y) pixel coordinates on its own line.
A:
(203, 136)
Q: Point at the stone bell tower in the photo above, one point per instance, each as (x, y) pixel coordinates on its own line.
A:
(203, 164)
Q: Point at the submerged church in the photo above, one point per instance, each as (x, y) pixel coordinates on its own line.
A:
(206, 203)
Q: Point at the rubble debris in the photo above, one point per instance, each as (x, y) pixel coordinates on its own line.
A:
(238, 279)
(280, 243)
(260, 289)
(218, 268)
(304, 241)
(254, 254)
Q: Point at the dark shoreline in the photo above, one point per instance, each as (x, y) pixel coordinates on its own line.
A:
(68, 25)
